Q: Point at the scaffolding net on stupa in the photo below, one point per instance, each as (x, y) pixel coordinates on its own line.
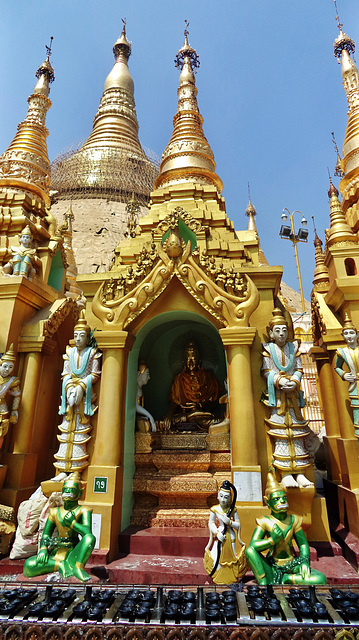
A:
(108, 172)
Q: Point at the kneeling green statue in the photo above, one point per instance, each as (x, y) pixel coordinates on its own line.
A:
(65, 553)
(274, 535)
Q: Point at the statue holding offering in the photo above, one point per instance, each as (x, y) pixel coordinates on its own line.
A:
(65, 553)
(143, 416)
(194, 393)
(10, 392)
(224, 558)
(349, 356)
(274, 534)
(288, 429)
(24, 261)
(81, 371)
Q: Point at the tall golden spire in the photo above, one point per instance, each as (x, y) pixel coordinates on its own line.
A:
(339, 230)
(344, 49)
(188, 156)
(112, 159)
(25, 164)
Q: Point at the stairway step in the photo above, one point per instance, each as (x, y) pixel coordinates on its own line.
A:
(165, 541)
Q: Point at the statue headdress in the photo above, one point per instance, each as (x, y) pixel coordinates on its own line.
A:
(74, 479)
(272, 485)
(348, 324)
(27, 231)
(278, 318)
(81, 324)
(9, 355)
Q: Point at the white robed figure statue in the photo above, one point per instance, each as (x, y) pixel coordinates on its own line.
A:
(287, 427)
(349, 356)
(81, 370)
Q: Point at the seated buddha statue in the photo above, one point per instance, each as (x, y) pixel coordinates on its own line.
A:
(193, 396)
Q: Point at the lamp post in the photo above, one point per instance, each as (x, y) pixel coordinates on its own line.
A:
(288, 233)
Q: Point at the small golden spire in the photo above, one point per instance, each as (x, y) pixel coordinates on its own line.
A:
(251, 213)
(338, 171)
(25, 164)
(339, 230)
(321, 273)
(188, 156)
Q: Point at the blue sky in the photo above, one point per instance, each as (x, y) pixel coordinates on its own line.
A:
(269, 90)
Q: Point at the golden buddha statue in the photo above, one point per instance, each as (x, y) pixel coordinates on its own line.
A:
(194, 394)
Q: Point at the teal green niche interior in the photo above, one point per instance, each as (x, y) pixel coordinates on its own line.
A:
(56, 272)
(185, 233)
(161, 342)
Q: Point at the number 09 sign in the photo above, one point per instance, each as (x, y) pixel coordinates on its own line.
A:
(100, 484)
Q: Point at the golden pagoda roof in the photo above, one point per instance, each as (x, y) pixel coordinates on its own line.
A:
(25, 164)
(111, 163)
(188, 157)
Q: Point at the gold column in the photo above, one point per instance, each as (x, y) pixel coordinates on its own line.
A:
(31, 380)
(330, 410)
(111, 413)
(245, 467)
(107, 460)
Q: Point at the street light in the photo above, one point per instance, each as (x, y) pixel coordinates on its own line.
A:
(288, 233)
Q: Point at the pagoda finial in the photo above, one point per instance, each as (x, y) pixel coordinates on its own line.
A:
(187, 52)
(122, 45)
(188, 156)
(45, 73)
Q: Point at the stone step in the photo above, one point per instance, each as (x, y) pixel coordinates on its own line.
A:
(166, 541)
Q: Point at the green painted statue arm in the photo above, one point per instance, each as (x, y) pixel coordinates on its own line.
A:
(260, 543)
(43, 555)
(303, 545)
(82, 525)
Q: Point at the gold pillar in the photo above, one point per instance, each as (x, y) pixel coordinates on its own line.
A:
(330, 411)
(245, 468)
(107, 459)
(31, 381)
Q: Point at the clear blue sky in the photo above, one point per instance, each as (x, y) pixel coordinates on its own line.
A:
(270, 91)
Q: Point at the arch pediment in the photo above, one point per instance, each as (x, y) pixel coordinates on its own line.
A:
(230, 299)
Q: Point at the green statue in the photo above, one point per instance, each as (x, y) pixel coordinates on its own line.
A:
(65, 553)
(274, 534)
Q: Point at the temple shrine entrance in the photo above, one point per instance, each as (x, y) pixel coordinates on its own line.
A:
(179, 467)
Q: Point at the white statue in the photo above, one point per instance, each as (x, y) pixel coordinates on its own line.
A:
(224, 558)
(288, 429)
(24, 261)
(81, 371)
(10, 393)
(143, 376)
(349, 356)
